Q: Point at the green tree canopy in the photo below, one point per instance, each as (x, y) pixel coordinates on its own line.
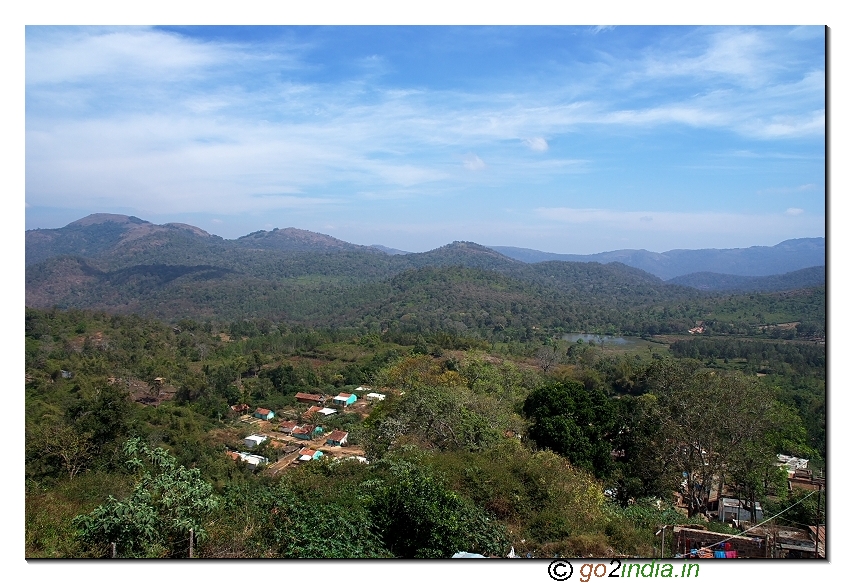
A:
(573, 421)
(155, 519)
(418, 516)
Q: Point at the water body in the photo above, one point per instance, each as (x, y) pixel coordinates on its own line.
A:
(598, 339)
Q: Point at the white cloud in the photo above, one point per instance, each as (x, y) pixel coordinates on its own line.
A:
(536, 144)
(157, 120)
(740, 55)
(473, 162)
(787, 189)
(70, 55)
(674, 223)
(794, 212)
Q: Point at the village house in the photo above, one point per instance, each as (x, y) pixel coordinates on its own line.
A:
(732, 508)
(307, 454)
(253, 441)
(253, 461)
(785, 542)
(337, 437)
(315, 410)
(241, 409)
(699, 543)
(265, 414)
(309, 398)
(306, 432)
(790, 463)
(345, 399)
(287, 426)
(372, 397)
(804, 480)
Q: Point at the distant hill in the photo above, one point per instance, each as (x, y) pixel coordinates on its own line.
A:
(124, 264)
(389, 250)
(108, 235)
(789, 255)
(297, 240)
(809, 277)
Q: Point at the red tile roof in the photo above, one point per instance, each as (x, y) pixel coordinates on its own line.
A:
(308, 397)
(305, 430)
(288, 425)
(343, 395)
(262, 411)
(314, 409)
(337, 435)
(306, 451)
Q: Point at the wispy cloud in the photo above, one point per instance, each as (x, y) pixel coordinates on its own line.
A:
(144, 118)
(788, 189)
(473, 162)
(537, 144)
(668, 222)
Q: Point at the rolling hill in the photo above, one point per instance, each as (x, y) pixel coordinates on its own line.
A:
(786, 256)
(124, 264)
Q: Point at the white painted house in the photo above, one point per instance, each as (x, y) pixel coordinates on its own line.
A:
(253, 441)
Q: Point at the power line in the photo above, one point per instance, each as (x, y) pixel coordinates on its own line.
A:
(764, 521)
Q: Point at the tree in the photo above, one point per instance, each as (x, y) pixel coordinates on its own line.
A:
(437, 416)
(717, 425)
(155, 519)
(264, 520)
(103, 415)
(546, 358)
(574, 422)
(419, 517)
(73, 449)
(638, 469)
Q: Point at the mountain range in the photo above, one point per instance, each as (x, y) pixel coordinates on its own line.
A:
(125, 264)
(784, 257)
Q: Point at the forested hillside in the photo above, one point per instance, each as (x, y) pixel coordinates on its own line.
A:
(484, 437)
(534, 406)
(126, 265)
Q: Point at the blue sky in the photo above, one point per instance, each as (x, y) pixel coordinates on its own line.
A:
(564, 139)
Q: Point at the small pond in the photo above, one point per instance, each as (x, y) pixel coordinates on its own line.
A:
(598, 339)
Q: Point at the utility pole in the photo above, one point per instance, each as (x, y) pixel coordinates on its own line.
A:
(817, 526)
(114, 551)
(191, 542)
